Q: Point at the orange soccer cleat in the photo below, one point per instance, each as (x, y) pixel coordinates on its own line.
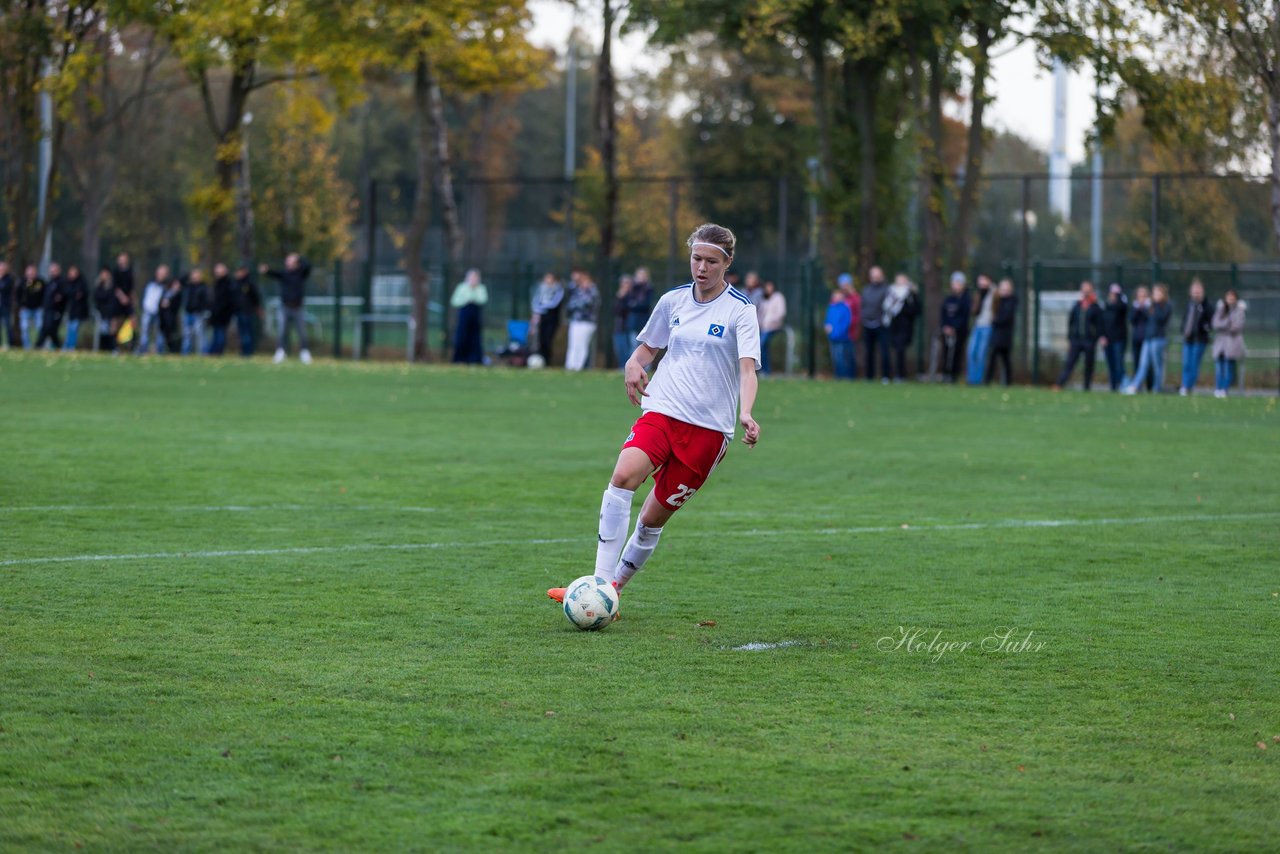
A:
(557, 593)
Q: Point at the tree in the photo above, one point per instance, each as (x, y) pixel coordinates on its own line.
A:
(43, 49)
(465, 46)
(234, 48)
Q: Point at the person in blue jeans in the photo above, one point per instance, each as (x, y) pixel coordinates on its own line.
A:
(30, 306)
(1154, 342)
(75, 292)
(1196, 326)
(980, 336)
(836, 325)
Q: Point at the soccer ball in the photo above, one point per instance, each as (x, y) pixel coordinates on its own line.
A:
(590, 603)
(536, 361)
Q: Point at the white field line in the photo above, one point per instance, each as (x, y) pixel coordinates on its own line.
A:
(407, 547)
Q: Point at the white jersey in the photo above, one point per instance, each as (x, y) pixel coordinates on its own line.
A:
(697, 379)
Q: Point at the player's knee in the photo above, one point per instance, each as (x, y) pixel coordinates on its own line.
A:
(627, 479)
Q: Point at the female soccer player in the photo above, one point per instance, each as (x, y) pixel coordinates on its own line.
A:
(691, 408)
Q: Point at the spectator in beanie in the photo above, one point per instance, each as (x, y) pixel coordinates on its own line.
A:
(1084, 328)
(836, 325)
(1228, 341)
(1197, 323)
(1115, 334)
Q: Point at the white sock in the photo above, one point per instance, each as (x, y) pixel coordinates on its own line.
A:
(639, 549)
(615, 513)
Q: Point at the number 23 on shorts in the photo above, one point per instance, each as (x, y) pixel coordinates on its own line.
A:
(680, 496)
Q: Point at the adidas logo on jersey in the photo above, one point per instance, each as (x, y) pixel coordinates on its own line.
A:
(675, 321)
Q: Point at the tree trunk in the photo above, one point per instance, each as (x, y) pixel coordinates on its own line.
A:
(866, 74)
(932, 177)
(973, 157)
(415, 237)
(606, 126)
(443, 167)
(822, 112)
(1273, 125)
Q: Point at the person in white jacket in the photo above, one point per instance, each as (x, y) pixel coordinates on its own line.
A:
(773, 316)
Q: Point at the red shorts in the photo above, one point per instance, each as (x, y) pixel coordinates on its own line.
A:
(684, 454)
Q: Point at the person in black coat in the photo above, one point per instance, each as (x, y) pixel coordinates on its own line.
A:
(105, 304)
(248, 310)
(30, 305)
(171, 316)
(195, 305)
(222, 308)
(1197, 327)
(293, 285)
(1084, 328)
(122, 280)
(1139, 312)
(52, 308)
(1004, 313)
(900, 309)
(1115, 334)
(954, 323)
(75, 293)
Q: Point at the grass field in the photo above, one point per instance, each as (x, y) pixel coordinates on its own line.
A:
(246, 606)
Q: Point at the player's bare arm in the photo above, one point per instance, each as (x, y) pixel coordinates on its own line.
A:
(748, 383)
(636, 375)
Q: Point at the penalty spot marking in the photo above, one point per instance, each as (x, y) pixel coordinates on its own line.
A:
(793, 532)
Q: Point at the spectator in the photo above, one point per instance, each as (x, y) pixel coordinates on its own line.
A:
(1228, 341)
(293, 286)
(980, 337)
(583, 307)
(1196, 326)
(30, 304)
(105, 304)
(1139, 314)
(1154, 343)
(899, 312)
(754, 290)
(469, 298)
(6, 305)
(1084, 328)
(954, 322)
(122, 280)
(52, 309)
(248, 310)
(854, 301)
(547, 298)
(639, 306)
(773, 316)
(152, 295)
(875, 333)
(171, 316)
(836, 325)
(1115, 334)
(75, 293)
(222, 310)
(1004, 314)
(622, 348)
(195, 306)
